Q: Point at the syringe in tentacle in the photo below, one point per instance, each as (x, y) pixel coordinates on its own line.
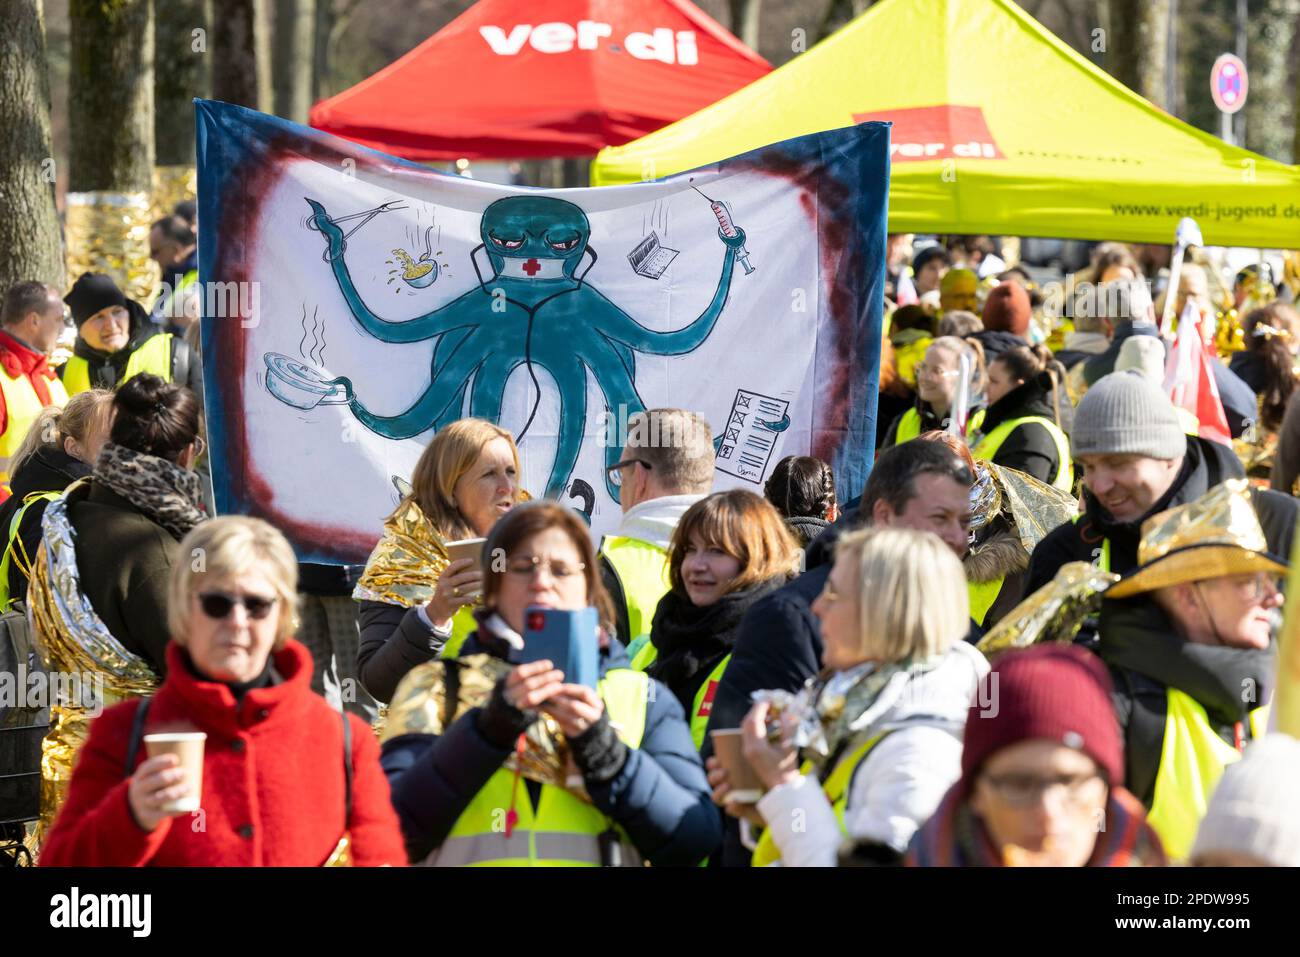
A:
(728, 227)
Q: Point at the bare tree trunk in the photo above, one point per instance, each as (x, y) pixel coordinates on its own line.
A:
(30, 243)
(1139, 46)
(1271, 41)
(744, 16)
(234, 53)
(180, 74)
(111, 151)
(110, 95)
(295, 42)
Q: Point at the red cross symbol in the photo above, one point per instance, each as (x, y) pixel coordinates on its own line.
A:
(532, 267)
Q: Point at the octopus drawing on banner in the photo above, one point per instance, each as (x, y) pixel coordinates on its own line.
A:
(534, 309)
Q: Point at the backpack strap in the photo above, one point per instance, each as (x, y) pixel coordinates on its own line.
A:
(137, 734)
(347, 766)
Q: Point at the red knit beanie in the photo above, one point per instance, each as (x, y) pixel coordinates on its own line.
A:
(1058, 692)
(1007, 309)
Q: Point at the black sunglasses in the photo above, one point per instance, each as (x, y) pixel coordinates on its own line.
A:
(218, 606)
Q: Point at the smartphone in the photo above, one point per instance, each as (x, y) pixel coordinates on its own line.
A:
(568, 639)
(467, 548)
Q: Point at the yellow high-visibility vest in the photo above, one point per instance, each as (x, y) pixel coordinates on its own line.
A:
(982, 595)
(836, 788)
(702, 707)
(153, 356)
(988, 446)
(564, 830)
(642, 570)
(909, 427)
(1192, 759)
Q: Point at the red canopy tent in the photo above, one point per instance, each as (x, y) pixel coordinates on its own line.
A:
(549, 78)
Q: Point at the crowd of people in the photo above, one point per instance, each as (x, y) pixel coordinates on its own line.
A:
(1044, 633)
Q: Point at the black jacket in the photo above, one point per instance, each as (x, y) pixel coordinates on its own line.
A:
(1249, 368)
(1030, 448)
(691, 641)
(393, 641)
(997, 341)
(656, 792)
(1205, 465)
(105, 369)
(48, 470)
(1146, 657)
(1104, 362)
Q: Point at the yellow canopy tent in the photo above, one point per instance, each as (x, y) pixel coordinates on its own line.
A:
(999, 127)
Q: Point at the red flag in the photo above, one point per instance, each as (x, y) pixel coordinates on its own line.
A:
(1189, 379)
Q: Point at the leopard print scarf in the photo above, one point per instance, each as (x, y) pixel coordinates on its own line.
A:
(167, 493)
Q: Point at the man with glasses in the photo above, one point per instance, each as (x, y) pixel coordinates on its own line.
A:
(116, 341)
(30, 324)
(1188, 636)
(666, 467)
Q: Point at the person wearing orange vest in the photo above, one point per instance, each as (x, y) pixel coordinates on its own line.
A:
(666, 467)
(1188, 636)
(31, 321)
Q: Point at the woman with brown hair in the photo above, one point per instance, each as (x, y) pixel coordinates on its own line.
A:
(98, 593)
(1022, 427)
(415, 601)
(729, 550)
(802, 489)
(494, 762)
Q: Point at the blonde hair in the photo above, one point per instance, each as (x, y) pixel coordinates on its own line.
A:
(84, 412)
(911, 593)
(971, 347)
(745, 526)
(223, 548)
(452, 453)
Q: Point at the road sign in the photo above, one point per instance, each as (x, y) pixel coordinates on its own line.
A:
(1228, 83)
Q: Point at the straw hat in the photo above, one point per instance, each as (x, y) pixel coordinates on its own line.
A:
(1214, 536)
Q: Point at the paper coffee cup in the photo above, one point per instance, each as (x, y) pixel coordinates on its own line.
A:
(746, 788)
(188, 746)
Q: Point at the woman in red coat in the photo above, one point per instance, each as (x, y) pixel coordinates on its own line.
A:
(277, 758)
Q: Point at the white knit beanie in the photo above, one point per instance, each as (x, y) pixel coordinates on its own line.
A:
(1253, 810)
(1146, 354)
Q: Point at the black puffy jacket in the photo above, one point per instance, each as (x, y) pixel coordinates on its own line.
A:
(1205, 465)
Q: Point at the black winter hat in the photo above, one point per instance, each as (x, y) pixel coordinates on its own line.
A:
(92, 292)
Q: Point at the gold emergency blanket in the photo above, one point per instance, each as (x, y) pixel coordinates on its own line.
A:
(433, 695)
(109, 233)
(1053, 613)
(171, 184)
(1035, 508)
(404, 567)
(77, 649)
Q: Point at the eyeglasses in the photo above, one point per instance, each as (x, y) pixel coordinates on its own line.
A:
(829, 593)
(217, 605)
(528, 566)
(1026, 790)
(938, 372)
(615, 471)
(1257, 586)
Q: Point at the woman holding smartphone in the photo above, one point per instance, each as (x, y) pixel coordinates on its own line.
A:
(497, 763)
(415, 597)
(728, 551)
